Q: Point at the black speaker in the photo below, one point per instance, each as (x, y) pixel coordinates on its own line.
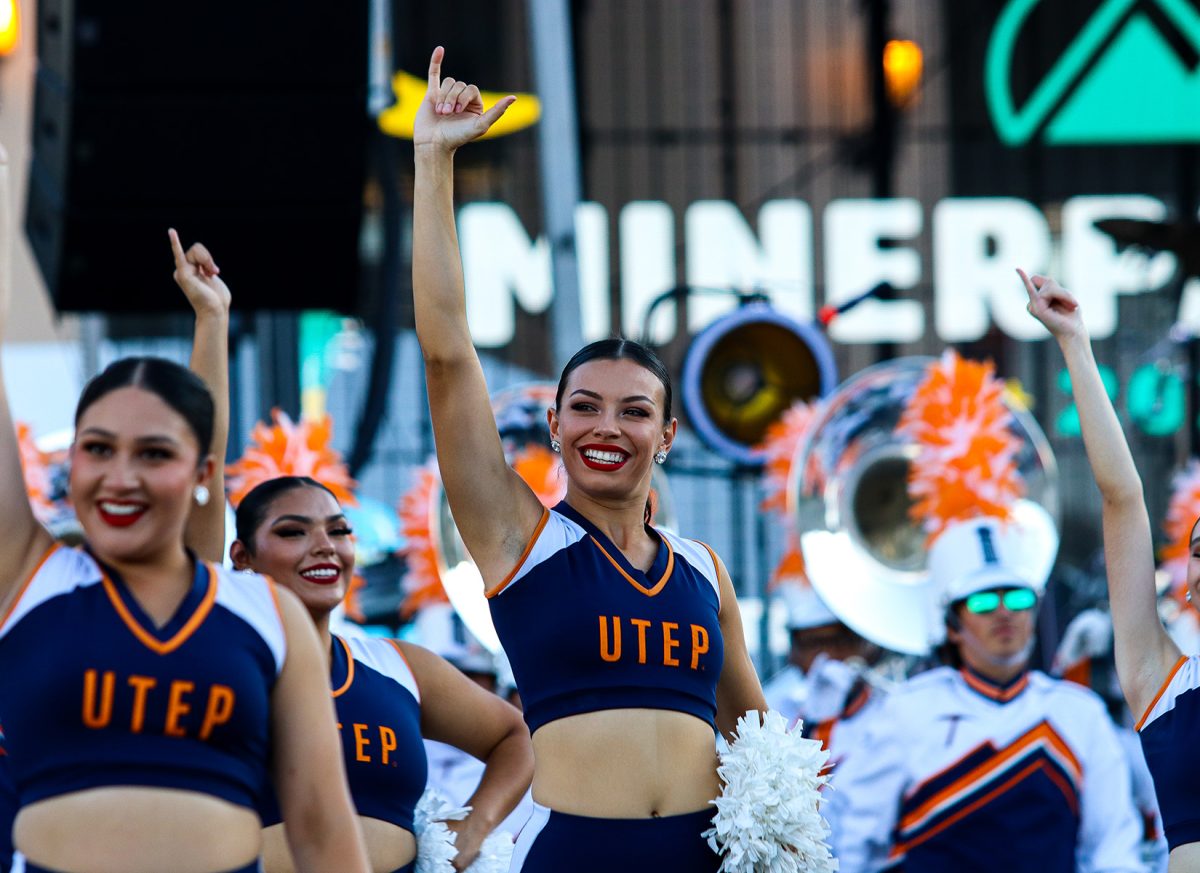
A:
(243, 125)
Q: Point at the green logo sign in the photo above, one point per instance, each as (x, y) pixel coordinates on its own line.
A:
(1118, 82)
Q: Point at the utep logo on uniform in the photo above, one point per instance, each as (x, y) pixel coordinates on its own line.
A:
(1119, 81)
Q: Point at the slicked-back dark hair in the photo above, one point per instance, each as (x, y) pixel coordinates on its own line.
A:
(253, 508)
(176, 386)
(617, 349)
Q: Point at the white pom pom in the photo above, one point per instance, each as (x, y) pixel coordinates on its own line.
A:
(495, 855)
(435, 841)
(768, 818)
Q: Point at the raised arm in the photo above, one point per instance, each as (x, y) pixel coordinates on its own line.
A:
(198, 276)
(24, 540)
(456, 711)
(1144, 652)
(495, 511)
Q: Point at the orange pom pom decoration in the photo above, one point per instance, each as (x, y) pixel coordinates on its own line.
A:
(966, 464)
(1182, 511)
(290, 449)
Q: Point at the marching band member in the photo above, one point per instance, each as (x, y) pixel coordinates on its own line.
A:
(1159, 682)
(625, 640)
(984, 764)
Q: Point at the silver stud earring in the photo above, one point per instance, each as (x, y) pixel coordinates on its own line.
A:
(202, 495)
(661, 457)
(555, 446)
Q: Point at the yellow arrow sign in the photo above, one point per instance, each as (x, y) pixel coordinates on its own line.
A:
(398, 120)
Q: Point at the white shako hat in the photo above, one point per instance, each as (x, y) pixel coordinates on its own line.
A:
(980, 555)
(805, 608)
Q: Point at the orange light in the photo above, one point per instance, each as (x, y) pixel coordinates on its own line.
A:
(903, 62)
(10, 25)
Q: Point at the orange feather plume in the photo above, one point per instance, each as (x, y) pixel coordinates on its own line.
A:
(1182, 511)
(35, 465)
(288, 448)
(966, 464)
(780, 444)
(536, 465)
(422, 582)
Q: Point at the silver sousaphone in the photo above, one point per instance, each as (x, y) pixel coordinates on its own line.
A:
(521, 420)
(849, 500)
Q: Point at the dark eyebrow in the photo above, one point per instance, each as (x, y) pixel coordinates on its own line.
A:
(144, 440)
(304, 519)
(631, 399)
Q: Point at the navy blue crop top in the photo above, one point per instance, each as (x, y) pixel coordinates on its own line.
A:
(1168, 733)
(585, 630)
(94, 695)
(8, 806)
(379, 718)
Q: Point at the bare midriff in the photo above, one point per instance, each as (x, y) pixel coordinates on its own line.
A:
(625, 763)
(389, 847)
(138, 830)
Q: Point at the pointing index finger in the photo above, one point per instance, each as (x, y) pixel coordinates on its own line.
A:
(435, 68)
(1029, 286)
(176, 247)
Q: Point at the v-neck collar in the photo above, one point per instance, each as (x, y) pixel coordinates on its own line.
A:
(188, 616)
(660, 570)
(993, 690)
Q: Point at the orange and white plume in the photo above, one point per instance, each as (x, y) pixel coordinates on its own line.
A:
(35, 466)
(289, 448)
(422, 583)
(782, 440)
(966, 466)
(1182, 511)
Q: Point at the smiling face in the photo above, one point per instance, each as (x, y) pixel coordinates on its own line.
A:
(610, 424)
(134, 468)
(991, 643)
(1193, 567)
(305, 544)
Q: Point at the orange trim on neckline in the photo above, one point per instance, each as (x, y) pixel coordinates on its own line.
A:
(12, 607)
(991, 692)
(407, 663)
(537, 532)
(147, 639)
(349, 669)
(658, 586)
(1161, 691)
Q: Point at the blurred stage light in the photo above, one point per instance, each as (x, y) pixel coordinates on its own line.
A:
(903, 62)
(10, 25)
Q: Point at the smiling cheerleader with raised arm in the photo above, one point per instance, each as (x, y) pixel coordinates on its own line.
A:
(148, 695)
(625, 639)
(1160, 684)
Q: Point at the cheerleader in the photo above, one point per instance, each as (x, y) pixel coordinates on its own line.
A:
(388, 694)
(625, 640)
(147, 695)
(1159, 683)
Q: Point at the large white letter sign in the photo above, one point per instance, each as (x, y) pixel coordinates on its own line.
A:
(1095, 271)
(500, 261)
(647, 230)
(855, 262)
(723, 252)
(977, 244)
(591, 250)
